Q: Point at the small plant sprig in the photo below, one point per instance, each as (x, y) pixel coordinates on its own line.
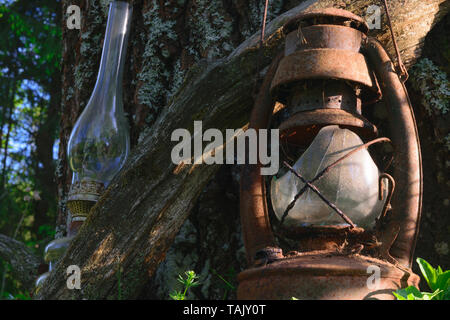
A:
(119, 278)
(437, 280)
(226, 284)
(189, 281)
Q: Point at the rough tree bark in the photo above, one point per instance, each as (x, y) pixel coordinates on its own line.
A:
(134, 223)
(24, 263)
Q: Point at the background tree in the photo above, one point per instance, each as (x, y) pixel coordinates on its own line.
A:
(30, 53)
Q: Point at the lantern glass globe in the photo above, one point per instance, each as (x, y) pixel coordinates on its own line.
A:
(352, 185)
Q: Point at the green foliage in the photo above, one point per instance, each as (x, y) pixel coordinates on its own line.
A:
(412, 293)
(14, 290)
(46, 231)
(32, 30)
(226, 284)
(190, 280)
(18, 296)
(438, 281)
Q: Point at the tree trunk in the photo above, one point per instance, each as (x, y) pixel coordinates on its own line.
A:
(134, 223)
(24, 263)
(9, 124)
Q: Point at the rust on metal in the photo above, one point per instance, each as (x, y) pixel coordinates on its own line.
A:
(387, 204)
(401, 69)
(322, 276)
(256, 229)
(325, 49)
(332, 16)
(301, 128)
(267, 255)
(407, 200)
(323, 37)
(321, 64)
(335, 231)
(323, 94)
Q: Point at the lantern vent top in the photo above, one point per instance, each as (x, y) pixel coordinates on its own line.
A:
(327, 16)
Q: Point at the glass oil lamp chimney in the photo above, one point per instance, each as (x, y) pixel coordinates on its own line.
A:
(99, 142)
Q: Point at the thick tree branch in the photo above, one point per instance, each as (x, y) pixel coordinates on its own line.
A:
(134, 223)
(24, 263)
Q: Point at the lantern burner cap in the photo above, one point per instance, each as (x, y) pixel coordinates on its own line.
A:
(82, 197)
(323, 94)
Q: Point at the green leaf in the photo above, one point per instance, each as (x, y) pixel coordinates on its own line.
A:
(189, 281)
(412, 293)
(228, 284)
(21, 296)
(181, 279)
(446, 294)
(428, 272)
(443, 283)
(397, 295)
(432, 296)
(443, 280)
(409, 293)
(439, 270)
(177, 295)
(412, 297)
(8, 296)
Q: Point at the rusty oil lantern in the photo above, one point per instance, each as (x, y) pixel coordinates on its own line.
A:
(342, 214)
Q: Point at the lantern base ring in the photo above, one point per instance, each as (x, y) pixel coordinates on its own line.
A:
(327, 276)
(78, 218)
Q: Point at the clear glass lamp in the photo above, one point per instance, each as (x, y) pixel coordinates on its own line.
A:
(99, 143)
(53, 252)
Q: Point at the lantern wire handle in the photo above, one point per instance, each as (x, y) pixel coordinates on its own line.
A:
(387, 205)
(403, 73)
(261, 41)
(263, 27)
(314, 188)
